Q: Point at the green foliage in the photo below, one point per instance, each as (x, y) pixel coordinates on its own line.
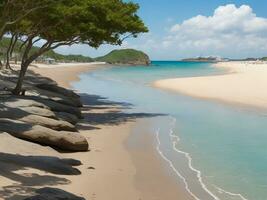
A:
(4, 43)
(68, 22)
(92, 22)
(67, 58)
(125, 56)
(264, 58)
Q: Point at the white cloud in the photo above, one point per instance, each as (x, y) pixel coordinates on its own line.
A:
(230, 31)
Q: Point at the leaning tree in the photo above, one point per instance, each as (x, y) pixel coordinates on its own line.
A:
(68, 22)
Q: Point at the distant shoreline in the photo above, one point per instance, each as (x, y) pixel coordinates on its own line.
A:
(244, 83)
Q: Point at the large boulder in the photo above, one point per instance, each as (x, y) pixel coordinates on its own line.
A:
(14, 111)
(34, 101)
(60, 98)
(15, 102)
(67, 117)
(58, 89)
(39, 111)
(24, 116)
(54, 124)
(53, 194)
(58, 107)
(64, 140)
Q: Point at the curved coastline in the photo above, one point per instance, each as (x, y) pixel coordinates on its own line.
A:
(138, 170)
(242, 84)
(109, 148)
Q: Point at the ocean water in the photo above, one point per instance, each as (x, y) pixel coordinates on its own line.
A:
(217, 151)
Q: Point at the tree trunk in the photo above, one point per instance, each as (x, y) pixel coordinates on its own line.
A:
(18, 88)
(13, 47)
(9, 52)
(7, 61)
(27, 60)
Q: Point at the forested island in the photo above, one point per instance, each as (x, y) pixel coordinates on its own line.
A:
(125, 57)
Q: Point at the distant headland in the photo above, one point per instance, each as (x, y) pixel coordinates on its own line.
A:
(219, 59)
(205, 59)
(125, 57)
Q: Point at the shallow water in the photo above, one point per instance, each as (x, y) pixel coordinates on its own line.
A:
(222, 147)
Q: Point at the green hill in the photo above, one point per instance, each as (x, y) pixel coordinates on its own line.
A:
(125, 56)
(68, 58)
(4, 43)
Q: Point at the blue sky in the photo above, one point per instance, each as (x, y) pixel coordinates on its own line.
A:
(239, 29)
(155, 13)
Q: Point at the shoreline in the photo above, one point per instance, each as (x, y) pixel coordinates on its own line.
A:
(71, 71)
(242, 84)
(108, 160)
(135, 179)
(154, 179)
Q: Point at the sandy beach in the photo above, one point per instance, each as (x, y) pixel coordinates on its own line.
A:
(110, 170)
(244, 83)
(71, 71)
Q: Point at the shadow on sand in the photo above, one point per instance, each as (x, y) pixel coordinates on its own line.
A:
(12, 166)
(99, 111)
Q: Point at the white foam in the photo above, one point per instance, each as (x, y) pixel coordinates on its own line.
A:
(177, 139)
(190, 163)
(230, 193)
(174, 169)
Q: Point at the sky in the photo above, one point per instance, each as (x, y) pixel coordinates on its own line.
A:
(190, 28)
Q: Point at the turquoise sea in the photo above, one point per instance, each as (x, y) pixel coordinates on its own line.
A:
(217, 151)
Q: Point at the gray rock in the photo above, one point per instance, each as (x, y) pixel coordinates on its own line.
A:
(53, 194)
(67, 117)
(34, 101)
(64, 140)
(76, 102)
(57, 89)
(15, 102)
(54, 124)
(24, 116)
(58, 107)
(38, 111)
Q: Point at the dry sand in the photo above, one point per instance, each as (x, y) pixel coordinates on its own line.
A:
(109, 171)
(66, 73)
(244, 84)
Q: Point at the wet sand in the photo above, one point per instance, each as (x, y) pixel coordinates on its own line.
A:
(110, 170)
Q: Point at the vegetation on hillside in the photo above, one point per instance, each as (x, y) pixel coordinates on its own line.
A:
(125, 56)
(67, 58)
(16, 54)
(201, 59)
(65, 22)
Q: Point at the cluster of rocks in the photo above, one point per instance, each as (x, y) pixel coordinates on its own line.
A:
(47, 114)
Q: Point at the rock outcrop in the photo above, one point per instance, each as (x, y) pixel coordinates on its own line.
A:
(58, 90)
(47, 115)
(71, 141)
(35, 101)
